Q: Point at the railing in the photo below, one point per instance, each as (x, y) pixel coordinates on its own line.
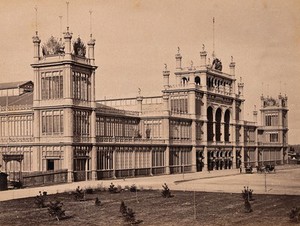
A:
(16, 139)
(105, 174)
(55, 57)
(82, 175)
(152, 113)
(81, 139)
(129, 140)
(16, 107)
(180, 169)
(249, 123)
(48, 177)
(221, 91)
(117, 111)
(180, 141)
(226, 143)
(276, 144)
(157, 170)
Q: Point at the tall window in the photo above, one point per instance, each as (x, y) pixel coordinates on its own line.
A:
(52, 122)
(81, 86)
(271, 119)
(52, 85)
(117, 126)
(273, 137)
(81, 123)
(180, 130)
(179, 103)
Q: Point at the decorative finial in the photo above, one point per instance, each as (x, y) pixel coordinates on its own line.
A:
(67, 15)
(139, 91)
(203, 47)
(166, 67)
(36, 12)
(192, 63)
(178, 50)
(240, 79)
(60, 21)
(91, 22)
(254, 107)
(231, 58)
(213, 53)
(280, 88)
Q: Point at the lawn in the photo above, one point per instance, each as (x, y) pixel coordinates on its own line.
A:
(150, 207)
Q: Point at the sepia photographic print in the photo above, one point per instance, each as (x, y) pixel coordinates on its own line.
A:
(139, 112)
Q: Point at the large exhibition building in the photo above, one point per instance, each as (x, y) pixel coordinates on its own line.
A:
(55, 123)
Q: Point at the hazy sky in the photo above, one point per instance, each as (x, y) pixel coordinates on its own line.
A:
(135, 38)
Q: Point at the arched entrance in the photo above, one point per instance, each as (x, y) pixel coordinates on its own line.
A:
(218, 124)
(16, 176)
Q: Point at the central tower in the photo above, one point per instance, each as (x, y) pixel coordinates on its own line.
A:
(64, 105)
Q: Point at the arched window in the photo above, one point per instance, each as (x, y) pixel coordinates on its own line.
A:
(218, 124)
(197, 80)
(184, 80)
(227, 125)
(210, 128)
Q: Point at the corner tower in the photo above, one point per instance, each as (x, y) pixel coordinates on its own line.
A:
(274, 130)
(64, 105)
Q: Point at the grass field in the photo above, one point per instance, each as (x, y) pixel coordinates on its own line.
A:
(153, 209)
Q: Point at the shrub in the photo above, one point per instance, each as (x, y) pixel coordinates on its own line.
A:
(40, 200)
(248, 208)
(247, 194)
(294, 214)
(55, 210)
(166, 193)
(128, 214)
(97, 202)
(112, 188)
(133, 188)
(89, 191)
(123, 208)
(78, 194)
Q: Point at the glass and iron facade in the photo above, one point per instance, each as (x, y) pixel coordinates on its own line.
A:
(196, 124)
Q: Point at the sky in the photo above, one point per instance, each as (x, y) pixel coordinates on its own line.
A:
(135, 38)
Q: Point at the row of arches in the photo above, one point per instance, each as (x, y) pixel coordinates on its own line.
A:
(185, 80)
(216, 82)
(215, 129)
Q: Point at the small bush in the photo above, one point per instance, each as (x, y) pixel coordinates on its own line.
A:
(128, 214)
(40, 200)
(78, 194)
(133, 188)
(247, 194)
(112, 188)
(248, 208)
(123, 208)
(89, 191)
(294, 214)
(97, 202)
(166, 193)
(55, 210)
